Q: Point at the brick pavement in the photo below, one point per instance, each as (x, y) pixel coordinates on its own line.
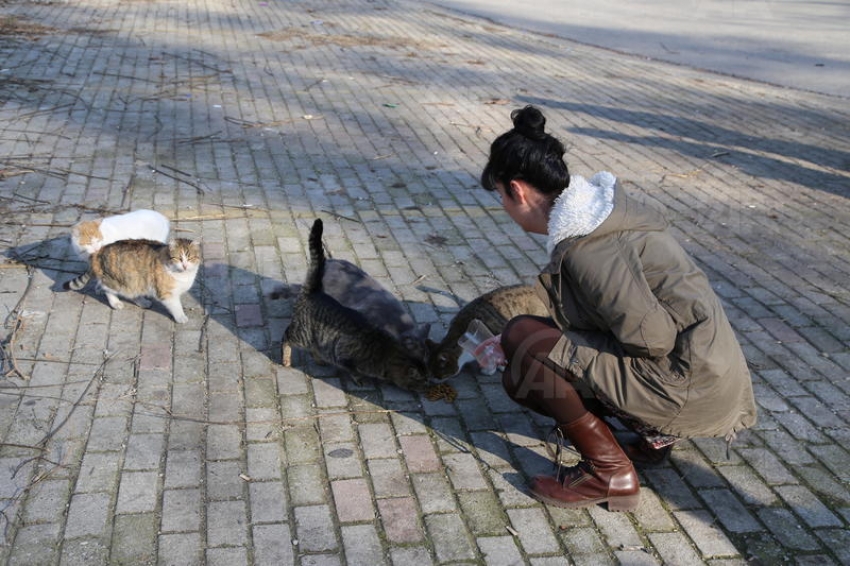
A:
(127, 439)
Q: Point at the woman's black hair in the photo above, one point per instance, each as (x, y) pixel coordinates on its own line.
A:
(527, 153)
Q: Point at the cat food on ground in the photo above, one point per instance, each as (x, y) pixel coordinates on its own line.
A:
(442, 391)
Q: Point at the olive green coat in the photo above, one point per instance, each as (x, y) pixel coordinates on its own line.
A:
(644, 328)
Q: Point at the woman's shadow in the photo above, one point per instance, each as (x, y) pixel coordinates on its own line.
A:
(256, 310)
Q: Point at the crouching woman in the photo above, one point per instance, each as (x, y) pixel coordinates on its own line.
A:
(636, 331)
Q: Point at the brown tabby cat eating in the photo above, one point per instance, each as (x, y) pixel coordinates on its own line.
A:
(344, 337)
(138, 269)
(494, 309)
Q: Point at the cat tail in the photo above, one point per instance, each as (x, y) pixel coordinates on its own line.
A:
(313, 282)
(77, 283)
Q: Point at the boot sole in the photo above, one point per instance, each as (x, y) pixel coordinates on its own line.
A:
(619, 504)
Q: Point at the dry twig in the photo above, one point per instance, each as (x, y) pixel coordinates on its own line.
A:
(98, 375)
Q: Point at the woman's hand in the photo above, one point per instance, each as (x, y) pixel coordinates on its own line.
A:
(490, 355)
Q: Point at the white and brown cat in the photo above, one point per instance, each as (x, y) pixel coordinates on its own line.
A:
(141, 269)
(88, 236)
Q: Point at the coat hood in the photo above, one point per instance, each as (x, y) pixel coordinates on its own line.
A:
(596, 207)
(581, 207)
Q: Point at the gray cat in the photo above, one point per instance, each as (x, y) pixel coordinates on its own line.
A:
(356, 289)
(345, 337)
(494, 309)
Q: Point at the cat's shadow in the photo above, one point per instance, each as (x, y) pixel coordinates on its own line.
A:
(256, 309)
(506, 441)
(482, 420)
(54, 257)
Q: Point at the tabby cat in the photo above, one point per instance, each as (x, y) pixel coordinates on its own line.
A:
(138, 269)
(88, 236)
(494, 309)
(344, 337)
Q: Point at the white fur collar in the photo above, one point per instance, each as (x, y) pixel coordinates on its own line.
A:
(581, 208)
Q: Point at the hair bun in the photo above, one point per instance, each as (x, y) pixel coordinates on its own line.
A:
(529, 122)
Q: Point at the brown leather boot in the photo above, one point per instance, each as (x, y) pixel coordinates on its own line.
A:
(643, 455)
(604, 475)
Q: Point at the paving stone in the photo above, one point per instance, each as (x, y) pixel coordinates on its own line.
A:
(137, 492)
(144, 452)
(353, 500)
(388, 478)
(107, 434)
(585, 546)
(84, 552)
(268, 502)
(262, 423)
(321, 560)
(399, 519)
(32, 544)
(434, 493)
(181, 510)
(548, 561)
(805, 504)
(709, 539)
(362, 544)
(376, 440)
(224, 442)
(314, 529)
(88, 514)
(336, 428)
(227, 524)
(180, 548)
(450, 538)
(307, 484)
(272, 545)
(533, 531)
(47, 500)
(419, 454)
(674, 548)
(730, 511)
(182, 469)
(134, 539)
(464, 472)
(226, 557)
(264, 461)
(499, 550)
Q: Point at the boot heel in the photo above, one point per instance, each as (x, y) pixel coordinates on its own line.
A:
(624, 502)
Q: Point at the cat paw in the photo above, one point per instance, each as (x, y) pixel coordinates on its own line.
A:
(181, 318)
